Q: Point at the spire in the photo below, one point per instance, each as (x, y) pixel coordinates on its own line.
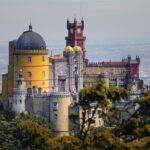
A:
(75, 18)
(30, 27)
(80, 11)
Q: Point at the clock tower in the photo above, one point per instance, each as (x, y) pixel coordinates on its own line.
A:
(75, 34)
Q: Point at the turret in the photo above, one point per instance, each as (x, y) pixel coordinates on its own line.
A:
(138, 59)
(74, 58)
(129, 58)
(75, 34)
(59, 112)
(18, 97)
(82, 21)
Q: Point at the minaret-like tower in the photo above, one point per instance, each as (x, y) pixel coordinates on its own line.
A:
(19, 94)
(75, 34)
(74, 58)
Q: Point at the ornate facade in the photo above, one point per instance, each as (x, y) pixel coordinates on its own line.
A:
(124, 73)
(68, 70)
(75, 35)
(49, 85)
(28, 57)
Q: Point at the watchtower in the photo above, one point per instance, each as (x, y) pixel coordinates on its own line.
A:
(75, 34)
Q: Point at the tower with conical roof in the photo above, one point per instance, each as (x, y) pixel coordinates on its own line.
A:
(18, 98)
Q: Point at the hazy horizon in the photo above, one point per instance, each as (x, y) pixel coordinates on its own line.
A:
(106, 21)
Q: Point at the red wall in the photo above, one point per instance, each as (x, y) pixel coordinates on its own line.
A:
(134, 69)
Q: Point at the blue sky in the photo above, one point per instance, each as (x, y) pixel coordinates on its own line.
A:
(107, 21)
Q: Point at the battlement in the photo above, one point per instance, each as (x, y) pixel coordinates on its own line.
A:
(123, 63)
(75, 24)
(34, 91)
(129, 60)
(59, 94)
(39, 52)
(12, 43)
(94, 64)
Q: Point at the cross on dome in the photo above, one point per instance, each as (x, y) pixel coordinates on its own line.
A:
(30, 27)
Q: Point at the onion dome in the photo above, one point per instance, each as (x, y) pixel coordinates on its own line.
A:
(30, 40)
(77, 49)
(69, 49)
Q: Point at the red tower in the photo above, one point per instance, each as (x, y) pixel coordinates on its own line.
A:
(75, 34)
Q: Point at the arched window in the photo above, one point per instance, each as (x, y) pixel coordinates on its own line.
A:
(29, 74)
(17, 59)
(17, 75)
(43, 58)
(29, 59)
(55, 116)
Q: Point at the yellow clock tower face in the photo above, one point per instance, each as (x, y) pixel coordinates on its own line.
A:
(78, 30)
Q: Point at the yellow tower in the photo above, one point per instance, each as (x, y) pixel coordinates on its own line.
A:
(28, 57)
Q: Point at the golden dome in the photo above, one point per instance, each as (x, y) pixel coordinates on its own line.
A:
(69, 49)
(77, 49)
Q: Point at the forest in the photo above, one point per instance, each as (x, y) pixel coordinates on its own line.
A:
(30, 132)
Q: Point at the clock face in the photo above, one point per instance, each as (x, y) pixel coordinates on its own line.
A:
(78, 30)
(71, 31)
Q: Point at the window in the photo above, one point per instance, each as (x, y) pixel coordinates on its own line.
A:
(30, 59)
(29, 74)
(43, 74)
(43, 83)
(61, 84)
(17, 75)
(17, 59)
(55, 116)
(55, 106)
(43, 58)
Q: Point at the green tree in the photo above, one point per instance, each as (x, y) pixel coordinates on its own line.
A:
(5, 134)
(32, 132)
(100, 96)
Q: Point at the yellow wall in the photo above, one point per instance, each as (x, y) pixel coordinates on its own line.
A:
(19, 64)
(37, 66)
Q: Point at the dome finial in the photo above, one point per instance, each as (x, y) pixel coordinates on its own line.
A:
(30, 27)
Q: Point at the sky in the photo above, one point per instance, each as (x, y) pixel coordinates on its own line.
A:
(106, 21)
(113, 28)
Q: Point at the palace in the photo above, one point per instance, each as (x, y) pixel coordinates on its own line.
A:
(49, 85)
